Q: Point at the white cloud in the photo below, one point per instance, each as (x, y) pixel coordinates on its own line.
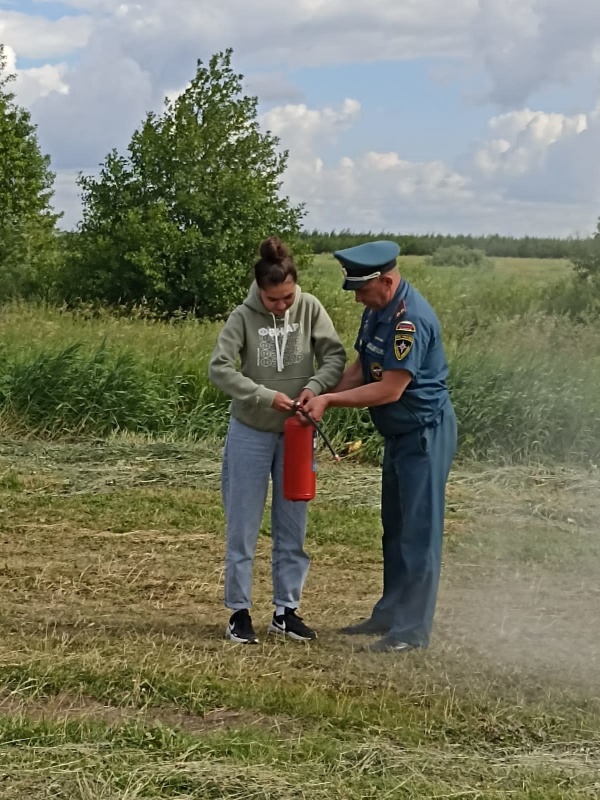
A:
(570, 171)
(542, 126)
(107, 99)
(525, 45)
(300, 128)
(374, 190)
(537, 157)
(36, 82)
(531, 168)
(381, 191)
(36, 37)
(305, 32)
(522, 140)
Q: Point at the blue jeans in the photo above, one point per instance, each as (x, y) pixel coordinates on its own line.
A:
(415, 471)
(250, 459)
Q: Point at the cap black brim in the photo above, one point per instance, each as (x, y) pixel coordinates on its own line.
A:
(351, 286)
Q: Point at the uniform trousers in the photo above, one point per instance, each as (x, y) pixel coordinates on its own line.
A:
(415, 472)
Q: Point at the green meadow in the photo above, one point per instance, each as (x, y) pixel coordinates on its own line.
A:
(115, 678)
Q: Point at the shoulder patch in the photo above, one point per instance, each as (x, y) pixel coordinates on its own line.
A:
(403, 343)
(376, 372)
(401, 310)
(406, 326)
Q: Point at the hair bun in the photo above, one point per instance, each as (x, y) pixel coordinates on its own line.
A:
(273, 250)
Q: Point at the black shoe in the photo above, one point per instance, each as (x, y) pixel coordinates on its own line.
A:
(368, 627)
(240, 628)
(389, 645)
(291, 625)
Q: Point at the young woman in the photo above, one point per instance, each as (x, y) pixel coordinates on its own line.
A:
(287, 349)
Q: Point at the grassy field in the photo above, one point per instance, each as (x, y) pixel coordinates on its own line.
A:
(525, 382)
(527, 270)
(115, 679)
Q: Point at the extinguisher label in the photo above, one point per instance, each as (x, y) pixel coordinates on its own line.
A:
(314, 451)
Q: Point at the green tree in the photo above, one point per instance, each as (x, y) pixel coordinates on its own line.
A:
(586, 261)
(177, 222)
(28, 249)
(578, 296)
(457, 255)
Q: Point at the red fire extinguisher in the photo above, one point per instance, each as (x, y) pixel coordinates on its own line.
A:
(299, 460)
(300, 457)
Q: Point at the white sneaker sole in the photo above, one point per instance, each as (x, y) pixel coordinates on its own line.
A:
(277, 631)
(237, 639)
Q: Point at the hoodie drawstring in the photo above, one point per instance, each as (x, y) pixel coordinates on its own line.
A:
(281, 352)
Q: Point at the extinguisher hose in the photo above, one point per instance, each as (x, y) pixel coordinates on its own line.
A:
(319, 430)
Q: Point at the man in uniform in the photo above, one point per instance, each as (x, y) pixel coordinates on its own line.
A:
(400, 375)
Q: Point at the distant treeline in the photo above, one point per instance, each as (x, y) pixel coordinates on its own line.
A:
(427, 244)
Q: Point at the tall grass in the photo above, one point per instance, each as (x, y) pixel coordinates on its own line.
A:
(525, 383)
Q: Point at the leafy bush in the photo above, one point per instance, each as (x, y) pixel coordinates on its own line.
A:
(586, 261)
(76, 391)
(579, 296)
(459, 256)
(574, 298)
(65, 374)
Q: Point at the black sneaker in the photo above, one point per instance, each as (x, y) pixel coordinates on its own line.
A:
(240, 628)
(367, 627)
(290, 624)
(389, 645)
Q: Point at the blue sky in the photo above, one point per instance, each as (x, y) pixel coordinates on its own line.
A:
(472, 116)
(403, 107)
(49, 10)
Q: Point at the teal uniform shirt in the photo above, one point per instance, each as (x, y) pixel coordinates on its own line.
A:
(406, 335)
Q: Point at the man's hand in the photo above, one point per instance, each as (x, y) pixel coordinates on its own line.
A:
(317, 407)
(281, 402)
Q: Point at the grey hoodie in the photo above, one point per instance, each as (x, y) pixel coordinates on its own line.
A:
(275, 355)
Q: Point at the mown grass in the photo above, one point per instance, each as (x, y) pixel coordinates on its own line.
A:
(526, 384)
(241, 769)
(129, 761)
(115, 680)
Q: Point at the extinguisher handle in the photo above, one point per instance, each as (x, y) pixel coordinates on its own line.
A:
(318, 428)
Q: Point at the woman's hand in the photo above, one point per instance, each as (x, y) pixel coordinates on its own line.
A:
(304, 396)
(302, 399)
(281, 402)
